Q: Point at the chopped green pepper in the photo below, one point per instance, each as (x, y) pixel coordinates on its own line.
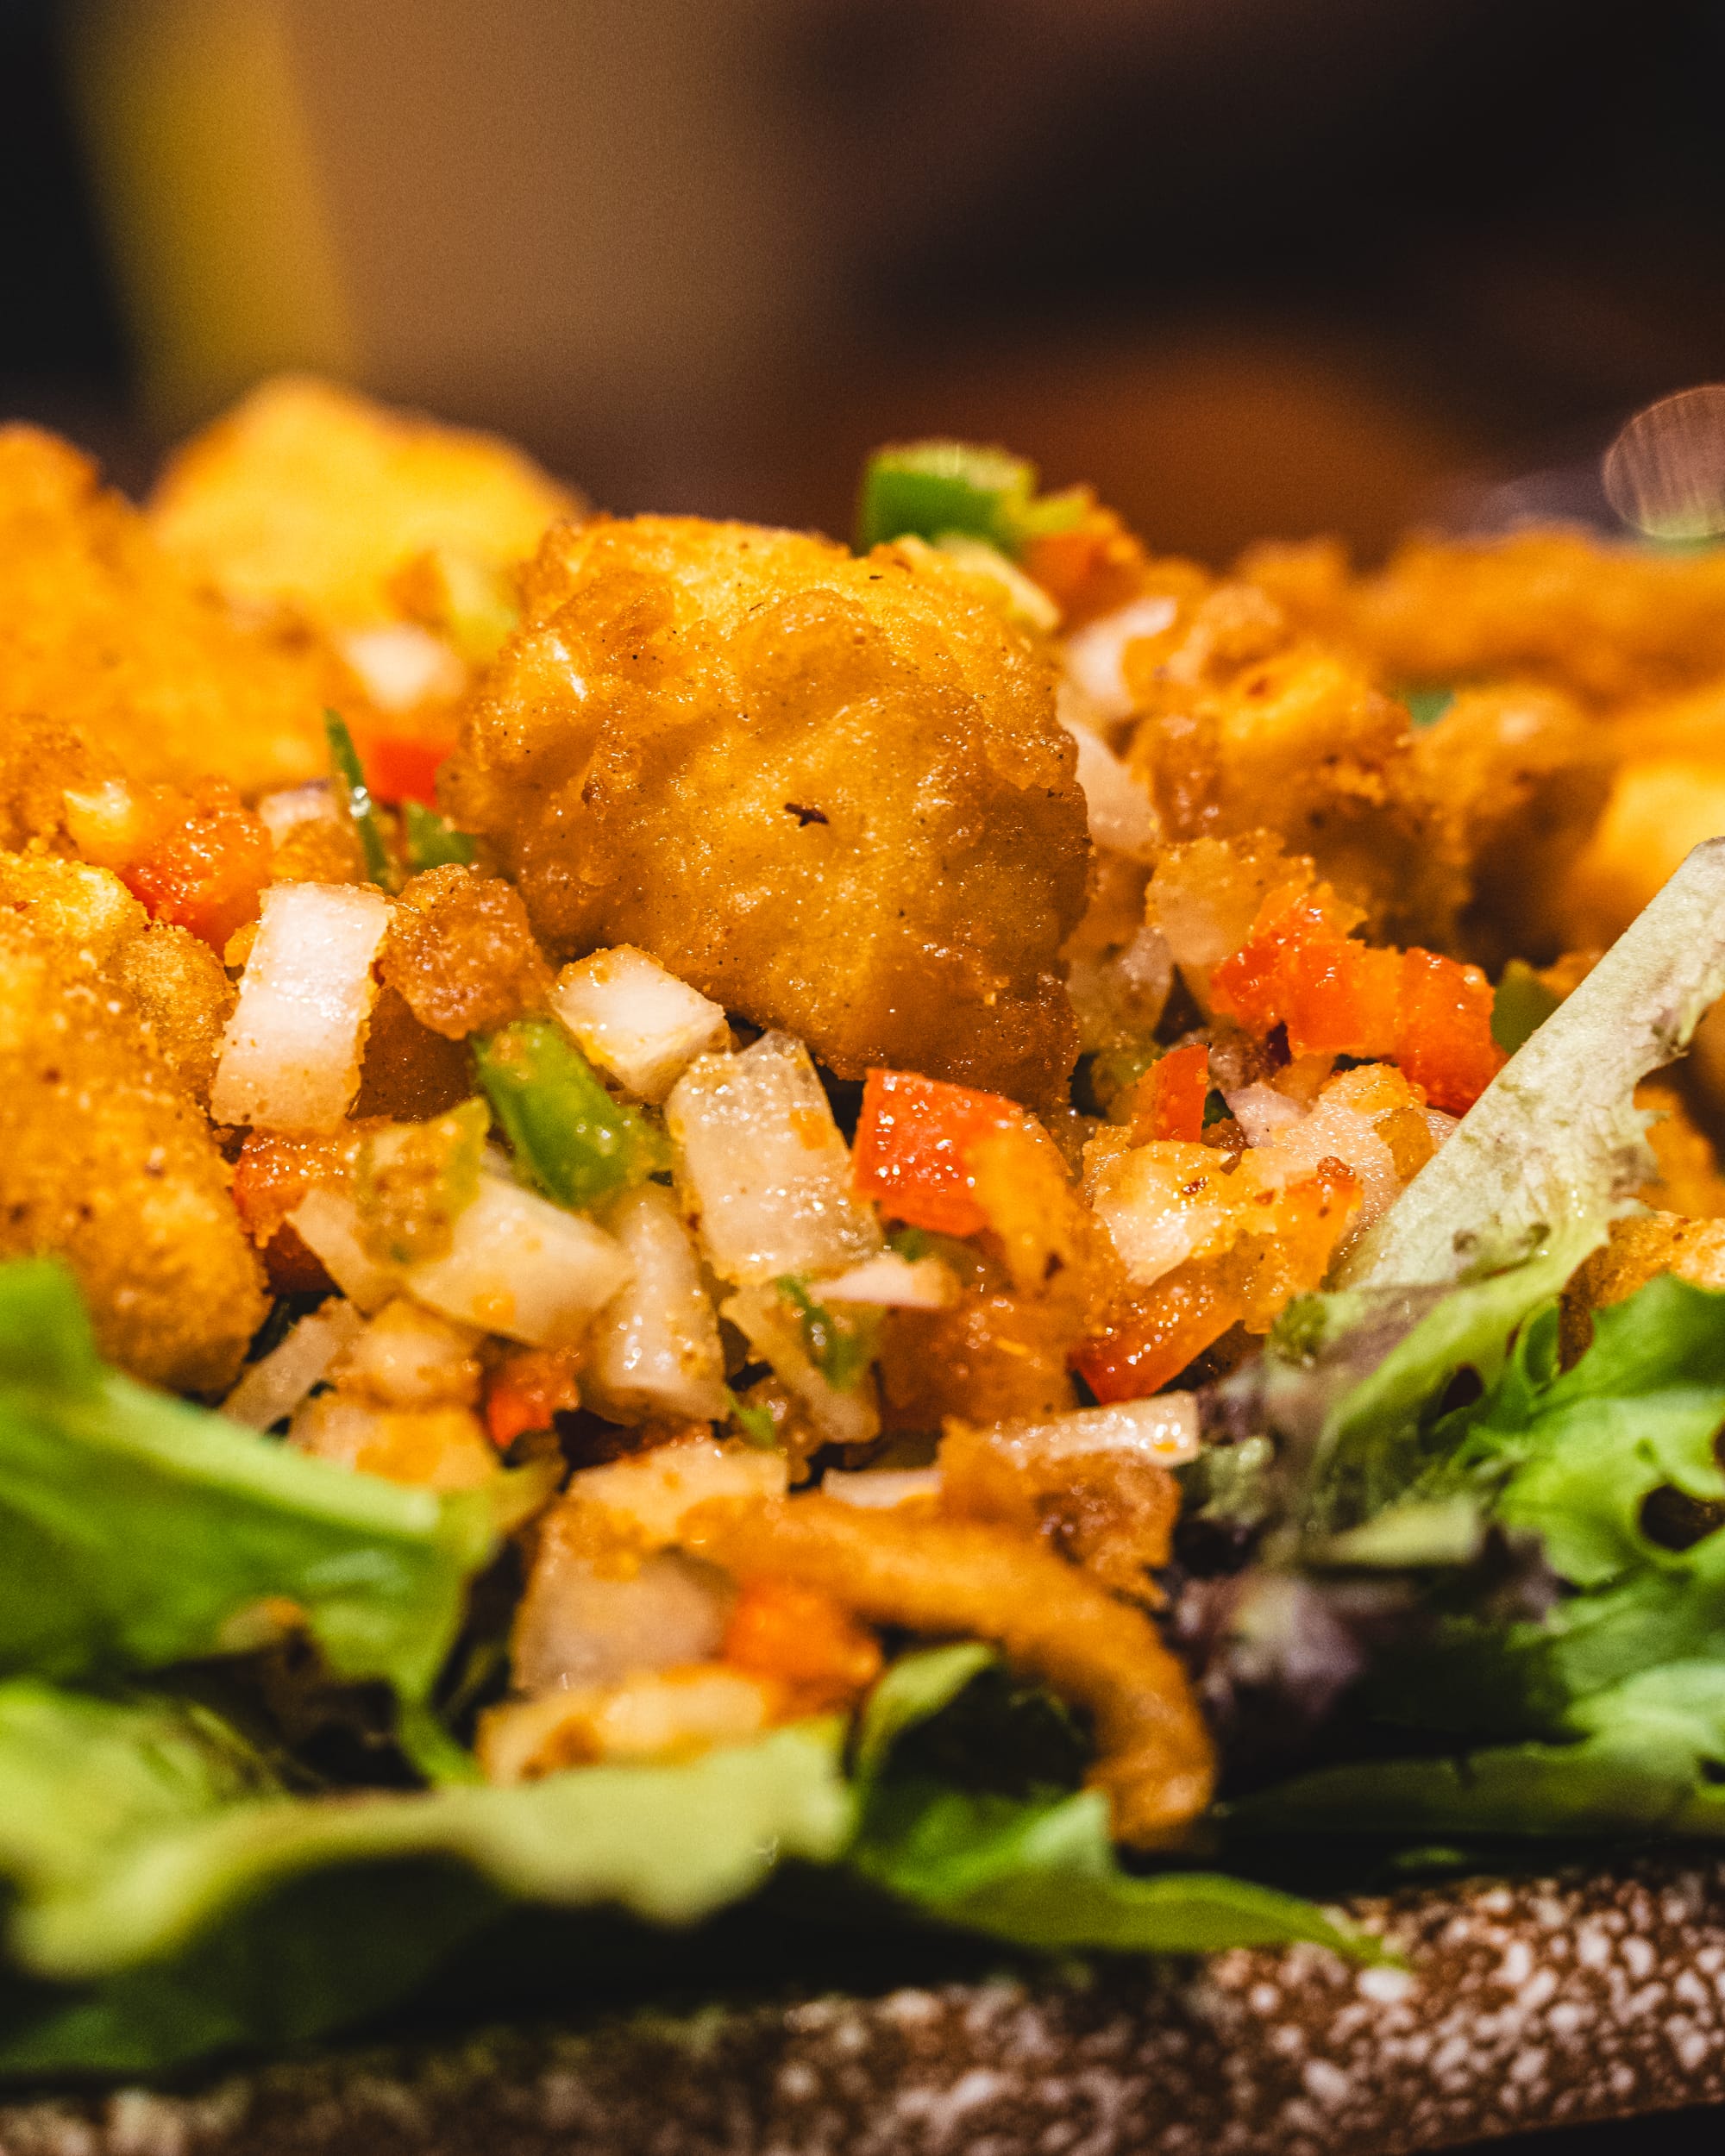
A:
(579, 1145)
(935, 489)
(841, 1349)
(355, 797)
(1428, 704)
(432, 840)
(1520, 1006)
(755, 1423)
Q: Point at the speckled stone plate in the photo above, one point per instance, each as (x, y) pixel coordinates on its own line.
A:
(1523, 2004)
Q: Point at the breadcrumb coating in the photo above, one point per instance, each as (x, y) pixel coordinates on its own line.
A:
(312, 495)
(106, 1163)
(106, 640)
(829, 792)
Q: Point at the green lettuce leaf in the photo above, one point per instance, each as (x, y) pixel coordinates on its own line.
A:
(1042, 1872)
(137, 1530)
(1555, 1144)
(128, 1830)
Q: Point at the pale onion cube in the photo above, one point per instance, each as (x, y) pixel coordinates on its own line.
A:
(879, 1489)
(655, 1715)
(637, 1022)
(1122, 816)
(1095, 654)
(296, 807)
(648, 1494)
(654, 1353)
(327, 1221)
(892, 1282)
(582, 1622)
(521, 1267)
(277, 1383)
(401, 665)
(291, 1054)
(1163, 1429)
(763, 1167)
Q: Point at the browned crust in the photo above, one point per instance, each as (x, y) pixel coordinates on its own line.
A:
(1526, 2004)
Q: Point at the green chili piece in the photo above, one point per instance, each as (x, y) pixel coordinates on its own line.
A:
(578, 1145)
(755, 1423)
(356, 799)
(840, 1348)
(432, 840)
(1520, 1006)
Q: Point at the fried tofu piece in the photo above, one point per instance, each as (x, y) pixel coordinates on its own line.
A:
(312, 495)
(106, 1163)
(1245, 726)
(108, 648)
(830, 794)
(1606, 623)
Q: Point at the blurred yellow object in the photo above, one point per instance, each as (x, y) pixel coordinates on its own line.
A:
(314, 496)
(212, 187)
(1656, 812)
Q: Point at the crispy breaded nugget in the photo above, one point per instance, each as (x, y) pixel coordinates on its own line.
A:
(40, 758)
(1606, 623)
(1638, 1251)
(1247, 727)
(105, 641)
(311, 494)
(105, 1162)
(830, 794)
(1050, 1621)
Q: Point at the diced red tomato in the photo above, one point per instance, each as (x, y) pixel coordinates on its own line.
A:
(912, 1153)
(1300, 970)
(1443, 1033)
(205, 872)
(400, 769)
(1168, 1101)
(1187, 1311)
(780, 1628)
(526, 1391)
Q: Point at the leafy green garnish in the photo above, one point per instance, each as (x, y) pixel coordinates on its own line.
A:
(940, 487)
(1520, 1006)
(432, 841)
(136, 1530)
(578, 1145)
(840, 1348)
(355, 798)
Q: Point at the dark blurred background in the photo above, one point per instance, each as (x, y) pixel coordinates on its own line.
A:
(1257, 265)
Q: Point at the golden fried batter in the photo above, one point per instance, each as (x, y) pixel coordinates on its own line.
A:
(830, 794)
(461, 953)
(313, 495)
(1246, 727)
(105, 1162)
(970, 1579)
(1606, 623)
(105, 641)
(183, 998)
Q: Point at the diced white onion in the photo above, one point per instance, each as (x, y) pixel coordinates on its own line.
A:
(408, 1357)
(635, 1020)
(291, 1054)
(1261, 1111)
(1094, 653)
(655, 1352)
(1122, 817)
(892, 1282)
(328, 1223)
(657, 1715)
(650, 1492)
(762, 1163)
(1147, 1200)
(579, 1624)
(1440, 1125)
(1334, 1130)
(401, 665)
(520, 1266)
(283, 812)
(879, 1489)
(1163, 1429)
(276, 1383)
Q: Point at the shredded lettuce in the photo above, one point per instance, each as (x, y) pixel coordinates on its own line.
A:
(136, 1530)
(1554, 1147)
